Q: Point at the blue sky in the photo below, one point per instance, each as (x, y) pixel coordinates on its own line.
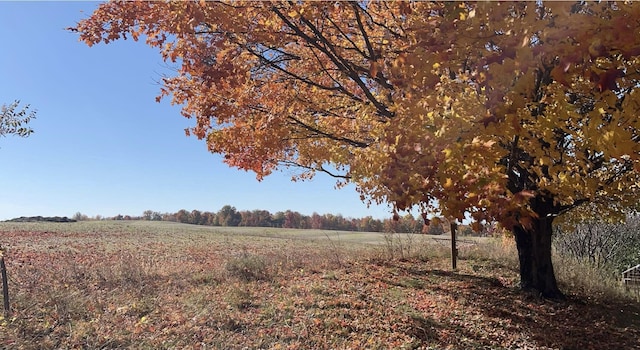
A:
(102, 145)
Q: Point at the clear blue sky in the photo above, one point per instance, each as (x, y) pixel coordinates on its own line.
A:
(102, 145)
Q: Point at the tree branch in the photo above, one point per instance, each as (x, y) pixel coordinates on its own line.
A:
(356, 9)
(308, 127)
(317, 168)
(329, 50)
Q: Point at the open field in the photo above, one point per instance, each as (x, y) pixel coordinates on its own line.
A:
(158, 285)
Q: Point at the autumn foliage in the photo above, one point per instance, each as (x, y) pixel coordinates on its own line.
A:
(517, 112)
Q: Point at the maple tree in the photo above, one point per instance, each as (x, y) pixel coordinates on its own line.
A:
(518, 112)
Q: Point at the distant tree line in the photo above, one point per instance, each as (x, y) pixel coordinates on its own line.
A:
(41, 219)
(230, 216)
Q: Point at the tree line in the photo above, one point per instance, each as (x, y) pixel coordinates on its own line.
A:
(230, 216)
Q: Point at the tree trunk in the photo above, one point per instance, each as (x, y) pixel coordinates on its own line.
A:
(534, 253)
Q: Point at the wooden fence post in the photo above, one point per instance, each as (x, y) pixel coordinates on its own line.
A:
(5, 284)
(454, 250)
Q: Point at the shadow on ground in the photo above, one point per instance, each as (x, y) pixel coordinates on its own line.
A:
(577, 323)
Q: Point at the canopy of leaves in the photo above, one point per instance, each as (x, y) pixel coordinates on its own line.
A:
(488, 109)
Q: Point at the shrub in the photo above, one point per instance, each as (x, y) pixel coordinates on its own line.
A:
(612, 246)
(248, 267)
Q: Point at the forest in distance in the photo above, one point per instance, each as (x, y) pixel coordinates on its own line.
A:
(230, 216)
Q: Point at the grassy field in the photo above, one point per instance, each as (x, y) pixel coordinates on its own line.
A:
(158, 285)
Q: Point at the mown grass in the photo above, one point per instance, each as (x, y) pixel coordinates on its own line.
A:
(148, 285)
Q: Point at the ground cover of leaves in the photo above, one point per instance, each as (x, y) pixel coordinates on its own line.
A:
(124, 287)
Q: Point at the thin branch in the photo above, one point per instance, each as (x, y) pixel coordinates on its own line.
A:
(347, 66)
(561, 209)
(348, 141)
(291, 74)
(329, 50)
(317, 168)
(339, 86)
(394, 33)
(365, 36)
(347, 38)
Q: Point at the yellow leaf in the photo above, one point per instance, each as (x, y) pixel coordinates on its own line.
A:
(562, 176)
(608, 136)
(448, 183)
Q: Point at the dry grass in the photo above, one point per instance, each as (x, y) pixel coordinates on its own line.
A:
(586, 279)
(165, 286)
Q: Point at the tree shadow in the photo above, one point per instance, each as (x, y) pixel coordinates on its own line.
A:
(577, 323)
